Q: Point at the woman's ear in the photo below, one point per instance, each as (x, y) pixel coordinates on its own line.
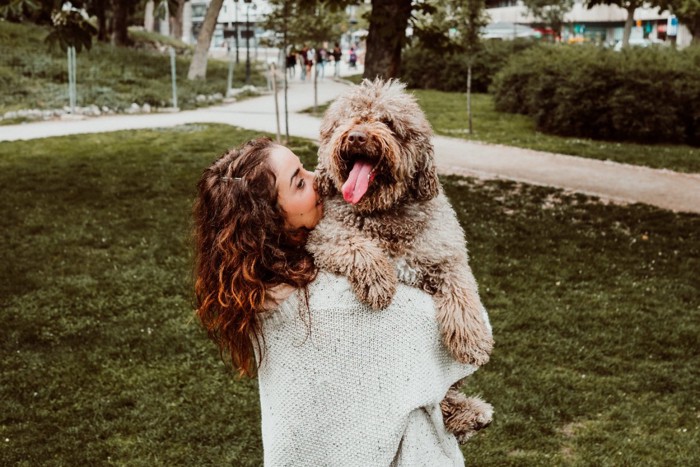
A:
(425, 184)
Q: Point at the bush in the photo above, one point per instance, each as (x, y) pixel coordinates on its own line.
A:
(422, 68)
(642, 95)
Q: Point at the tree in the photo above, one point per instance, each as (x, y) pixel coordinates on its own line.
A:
(469, 19)
(550, 12)
(388, 21)
(629, 5)
(71, 28)
(99, 8)
(177, 7)
(688, 14)
(387, 35)
(198, 67)
(307, 22)
(120, 18)
(16, 10)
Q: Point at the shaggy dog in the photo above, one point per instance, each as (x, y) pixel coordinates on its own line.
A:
(387, 220)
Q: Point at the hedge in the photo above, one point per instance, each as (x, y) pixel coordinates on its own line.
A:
(422, 68)
(641, 95)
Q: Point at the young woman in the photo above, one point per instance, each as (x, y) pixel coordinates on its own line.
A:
(340, 384)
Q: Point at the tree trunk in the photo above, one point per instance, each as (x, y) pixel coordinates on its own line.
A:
(387, 34)
(176, 20)
(101, 15)
(148, 16)
(628, 25)
(120, 34)
(198, 67)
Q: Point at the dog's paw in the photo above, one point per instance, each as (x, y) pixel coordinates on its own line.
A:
(465, 416)
(373, 277)
(472, 351)
(377, 293)
(464, 331)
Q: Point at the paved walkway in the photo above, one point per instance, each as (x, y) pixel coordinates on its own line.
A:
(613, 181)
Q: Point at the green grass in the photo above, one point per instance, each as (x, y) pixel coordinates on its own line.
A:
(447, 113)
(106, 76)
(595, 310)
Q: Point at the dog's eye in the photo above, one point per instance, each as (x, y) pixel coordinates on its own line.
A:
(389, 122)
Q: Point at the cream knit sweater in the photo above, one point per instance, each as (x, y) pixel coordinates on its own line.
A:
(349, 386)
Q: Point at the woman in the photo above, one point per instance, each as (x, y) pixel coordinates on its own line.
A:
(340, 384)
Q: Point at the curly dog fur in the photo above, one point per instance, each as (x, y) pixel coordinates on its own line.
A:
(387, 219)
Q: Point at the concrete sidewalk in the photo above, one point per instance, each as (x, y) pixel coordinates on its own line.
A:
(609, 180)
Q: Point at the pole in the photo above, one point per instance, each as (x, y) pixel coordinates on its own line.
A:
(173, 76)
(229, 83)
(236, 3)
(286, 84)
(247, 44)
(315, 68)
(72, 89)
(469, 94)
(273, 73)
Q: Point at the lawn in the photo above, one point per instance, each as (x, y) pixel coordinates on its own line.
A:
(447, 113)
(106, 76)
(595, 308)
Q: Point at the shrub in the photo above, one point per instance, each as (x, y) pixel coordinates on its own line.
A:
(642, 95)
(422, 68)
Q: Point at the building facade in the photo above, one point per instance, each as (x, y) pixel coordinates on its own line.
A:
(601, 24)
(237, 21)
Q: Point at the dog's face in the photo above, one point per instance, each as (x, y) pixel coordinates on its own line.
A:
(375, 148)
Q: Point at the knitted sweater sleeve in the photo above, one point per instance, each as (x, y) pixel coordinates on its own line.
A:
(341, 384)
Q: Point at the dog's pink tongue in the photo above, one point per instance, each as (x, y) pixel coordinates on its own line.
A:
(356, 185)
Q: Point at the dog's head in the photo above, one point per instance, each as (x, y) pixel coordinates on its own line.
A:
(375, 148)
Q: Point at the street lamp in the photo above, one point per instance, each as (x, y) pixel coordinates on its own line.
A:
(247, 40)
(236, 4)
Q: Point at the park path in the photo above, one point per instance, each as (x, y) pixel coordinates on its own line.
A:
(621, 183)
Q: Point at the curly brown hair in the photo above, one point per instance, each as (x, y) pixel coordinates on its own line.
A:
(242, 250)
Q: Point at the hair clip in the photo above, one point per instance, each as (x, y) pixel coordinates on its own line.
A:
(226, 179)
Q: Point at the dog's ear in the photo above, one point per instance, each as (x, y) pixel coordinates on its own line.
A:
(425, 184)
(324, 181)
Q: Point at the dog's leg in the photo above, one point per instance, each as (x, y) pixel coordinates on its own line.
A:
(373, 276)
(460, 315)
(464, 416)
(347, 252)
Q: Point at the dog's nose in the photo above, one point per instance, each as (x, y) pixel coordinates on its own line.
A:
(357, 137)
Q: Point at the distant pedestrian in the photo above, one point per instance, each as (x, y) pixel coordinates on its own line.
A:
(352, 61)
(302, 61)
(309, 57)
(321, 58)
(292, 63)
(337, 57)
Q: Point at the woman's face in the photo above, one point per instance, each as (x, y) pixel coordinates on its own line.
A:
(295, 189)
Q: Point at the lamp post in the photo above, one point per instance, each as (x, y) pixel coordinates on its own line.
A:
(236, 28)
(247, 41)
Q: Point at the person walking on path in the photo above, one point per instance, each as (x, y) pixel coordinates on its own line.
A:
(337, 57)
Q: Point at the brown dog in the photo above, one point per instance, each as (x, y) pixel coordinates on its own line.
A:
(386, 219)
